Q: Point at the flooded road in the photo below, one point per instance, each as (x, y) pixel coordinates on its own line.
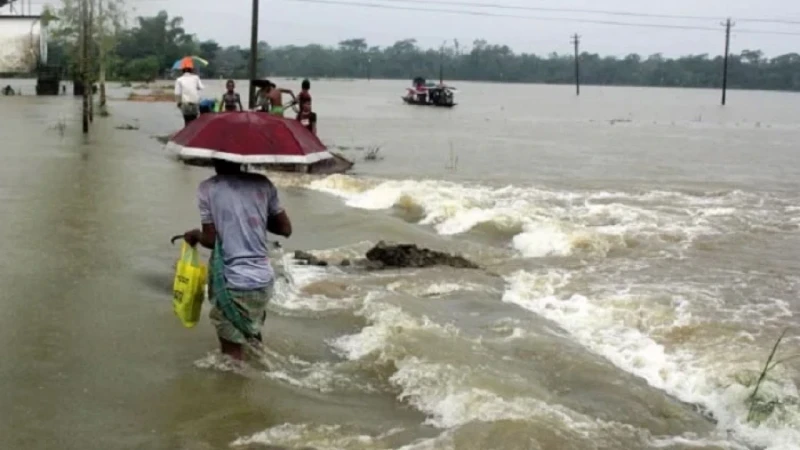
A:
(641, 252)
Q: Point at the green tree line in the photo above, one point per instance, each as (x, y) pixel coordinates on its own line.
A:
(146, 48)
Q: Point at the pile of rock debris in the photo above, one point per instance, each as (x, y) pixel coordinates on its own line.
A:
(384, 255)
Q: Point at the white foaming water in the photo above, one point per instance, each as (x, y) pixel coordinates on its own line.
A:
(557, 223)
(217, 361)
(386, 324)
(543, 240)
(442, 442)
(320, 437)
(446, 395)
(288, 295)
(319, 376)
(432, 290)
(603, 326)
(448, 392)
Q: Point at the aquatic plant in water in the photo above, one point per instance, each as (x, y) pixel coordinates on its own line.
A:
(761, 407)
(372, 153)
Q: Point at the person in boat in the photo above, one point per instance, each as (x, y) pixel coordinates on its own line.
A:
(187, 94)
(237, 209)
(435, 95)
(275, 95)
(308, 118)
(231, 99)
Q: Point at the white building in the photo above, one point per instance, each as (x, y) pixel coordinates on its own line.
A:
(23, 44)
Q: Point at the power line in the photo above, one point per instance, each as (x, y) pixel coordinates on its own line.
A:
(548, 9)
(780, 33)
(781, 21)
(511, 16)
(585, 11)
(538, 18)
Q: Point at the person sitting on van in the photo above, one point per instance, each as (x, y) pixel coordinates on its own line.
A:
(308, 118)
(305, 94)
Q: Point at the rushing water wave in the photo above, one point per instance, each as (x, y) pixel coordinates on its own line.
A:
(697, 334)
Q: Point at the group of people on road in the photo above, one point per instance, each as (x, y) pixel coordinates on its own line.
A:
(269, 99)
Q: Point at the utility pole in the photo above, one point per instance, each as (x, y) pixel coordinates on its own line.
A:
(101, 39)
(441, 63)
(84, 39)
(253, 55)
(89, 60)
(727, 24)
(576, 40)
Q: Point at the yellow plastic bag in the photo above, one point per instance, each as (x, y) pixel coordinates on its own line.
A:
(188, 288)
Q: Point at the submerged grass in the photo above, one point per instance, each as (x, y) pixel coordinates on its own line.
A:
(372, 153)
(759, 408)
(60, 126)
(452, 164)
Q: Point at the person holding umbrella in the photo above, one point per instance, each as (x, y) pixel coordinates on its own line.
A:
(237, 208)
(187, 91)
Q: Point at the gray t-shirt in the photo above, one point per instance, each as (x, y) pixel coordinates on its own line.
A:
(238, 206)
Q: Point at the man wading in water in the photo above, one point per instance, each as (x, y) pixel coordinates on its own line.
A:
(187, 94)
(236, 211)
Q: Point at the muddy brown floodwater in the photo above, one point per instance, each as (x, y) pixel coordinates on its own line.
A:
(641, 255)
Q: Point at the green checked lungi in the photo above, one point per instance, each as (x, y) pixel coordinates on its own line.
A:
(237, 315)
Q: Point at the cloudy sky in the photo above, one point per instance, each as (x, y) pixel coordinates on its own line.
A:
(300, 22)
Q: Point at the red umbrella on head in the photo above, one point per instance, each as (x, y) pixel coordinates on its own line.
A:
(247, 138)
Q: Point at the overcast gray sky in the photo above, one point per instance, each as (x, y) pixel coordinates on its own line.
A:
(300, 22)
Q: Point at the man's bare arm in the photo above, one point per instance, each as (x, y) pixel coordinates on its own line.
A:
(290, 92)
(206, 237)
(280, 224)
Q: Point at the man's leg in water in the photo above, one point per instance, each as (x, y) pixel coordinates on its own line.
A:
(253, 304)
(232, 349)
